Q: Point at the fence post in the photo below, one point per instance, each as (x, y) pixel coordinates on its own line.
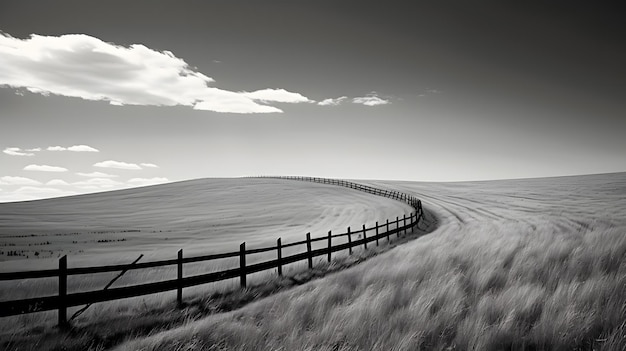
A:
(62, 292)
(179, 292)
(404, 223)
(242, 264)
(376, 233)
(330, 245)
(308, 249)
(364, 238)
(397, 226)
(280, 257)
(387, 230)
(349, 242)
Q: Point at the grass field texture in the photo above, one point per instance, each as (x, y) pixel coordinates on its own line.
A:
(514, 265)
(533, 264)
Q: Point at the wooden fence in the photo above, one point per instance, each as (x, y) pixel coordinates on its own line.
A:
(64, 299)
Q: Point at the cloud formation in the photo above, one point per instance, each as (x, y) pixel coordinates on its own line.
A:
(16, 151)
(96, 175)
(276, 95)
(54, 182)
(44, 168)
(78, 65)
(371, 99)
(10, 180)
(74, 148)
(93, 183)
(332, 102)
(82, 148)
(149, 165)
(117, 164)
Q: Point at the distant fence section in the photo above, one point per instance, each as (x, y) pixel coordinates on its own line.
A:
(363, 236)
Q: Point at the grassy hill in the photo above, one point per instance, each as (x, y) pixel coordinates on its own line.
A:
(537, 264)
(534, 264)
(200, 216)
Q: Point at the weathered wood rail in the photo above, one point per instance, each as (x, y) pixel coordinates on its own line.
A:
(63, 299)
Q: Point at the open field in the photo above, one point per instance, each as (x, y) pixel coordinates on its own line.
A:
(523, 265)
(201, 217)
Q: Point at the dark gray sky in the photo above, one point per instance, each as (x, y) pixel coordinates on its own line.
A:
(480, 90)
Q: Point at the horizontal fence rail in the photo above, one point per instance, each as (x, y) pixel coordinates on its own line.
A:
(64, 299)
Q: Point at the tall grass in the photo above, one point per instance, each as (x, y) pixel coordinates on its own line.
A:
(544, 273)
(474, 289)
(513, 278)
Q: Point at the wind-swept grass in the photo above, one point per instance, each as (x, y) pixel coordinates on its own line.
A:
(491, 279)
(518, 265)
(469, 290)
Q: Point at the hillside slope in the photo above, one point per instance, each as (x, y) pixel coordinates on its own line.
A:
(200, 216)
(523, 264)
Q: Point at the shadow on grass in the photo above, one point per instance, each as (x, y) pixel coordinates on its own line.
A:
(112, 330)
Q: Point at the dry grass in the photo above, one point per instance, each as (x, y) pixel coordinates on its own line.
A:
(517, 265)
(108, 324)
(491, 278)
(202, 217)
(258, 211)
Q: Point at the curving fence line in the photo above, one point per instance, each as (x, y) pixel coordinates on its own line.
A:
(64, 299)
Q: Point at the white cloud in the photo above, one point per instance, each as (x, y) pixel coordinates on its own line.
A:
(44, 168)
(147, 181)
(332, 102)
(97, 175)
(227, 101)
(9, 180)
(372, 99)
(75, 148)
(117, 164)
(149, 165)
(16, 151)
(82, 148)
(57, 182)
(98, 182)
(276, 95)
(37, 149)
(78, 65)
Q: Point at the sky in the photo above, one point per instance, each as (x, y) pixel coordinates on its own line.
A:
(105, 95)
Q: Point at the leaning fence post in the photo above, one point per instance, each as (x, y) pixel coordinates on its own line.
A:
(179, 290)
(280, 257)
(330, 247)
(349, 242)
(62, 291)
(308, 250)
(242, 264)
(364, 238)
(377, 233)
